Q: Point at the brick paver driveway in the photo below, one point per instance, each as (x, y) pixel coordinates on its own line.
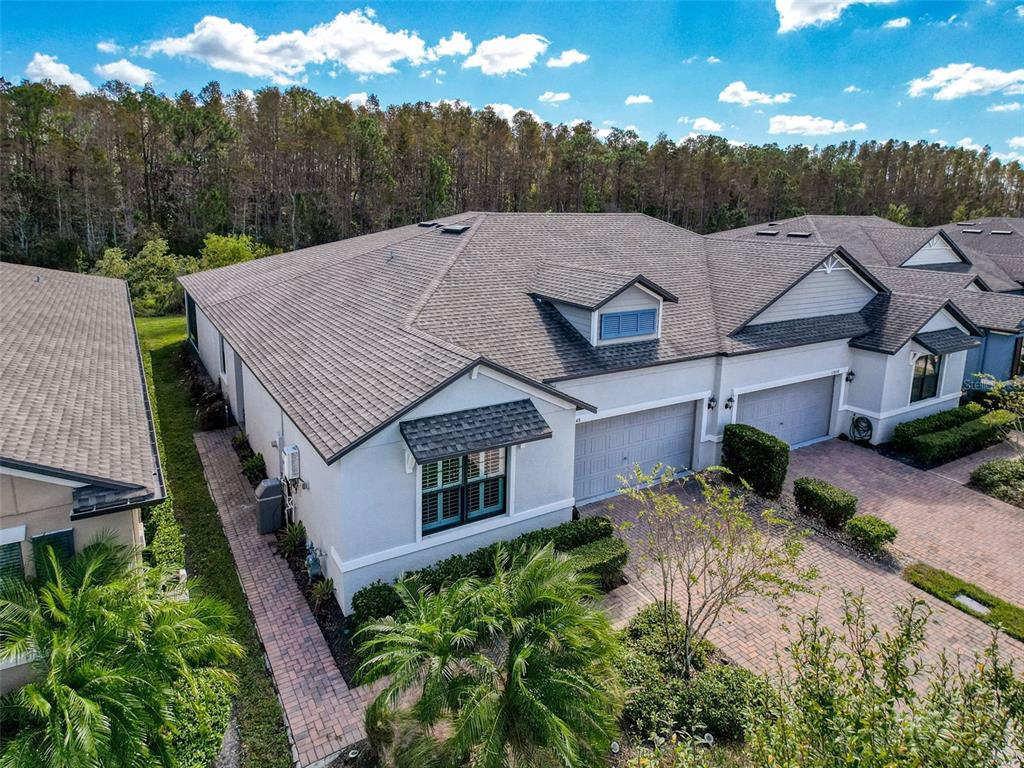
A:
(940, 522)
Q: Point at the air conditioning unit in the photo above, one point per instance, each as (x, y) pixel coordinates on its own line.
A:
(290, 462)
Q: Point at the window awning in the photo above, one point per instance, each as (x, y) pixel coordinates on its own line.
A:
(433, 438)
(946, 341)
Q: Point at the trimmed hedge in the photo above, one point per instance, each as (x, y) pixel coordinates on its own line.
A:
(604, 559)
(757, 457)
(903, 435)
(871, 532)
(816, 498)
(166, 546)
(718, 701)
(1002, 478)
(375, 601)
(971, 436)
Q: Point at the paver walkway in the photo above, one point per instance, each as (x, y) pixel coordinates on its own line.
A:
(322, 714)
(940, 522)
(753, 638)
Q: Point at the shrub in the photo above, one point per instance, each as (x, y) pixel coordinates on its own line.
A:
(254, 468)
(652, 698)
(718, 701)
(293, 540)
(320, 592)
(971, 436)
(1002, 478)
(201, 714)
(816, 498)
(645, 634)
(870, 532)
(757, 457)
(375, 601)
(604, 559)
(165, 543)
(904, 434)
(212, 415)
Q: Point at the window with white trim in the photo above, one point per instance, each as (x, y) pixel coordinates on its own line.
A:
(463, 489)
(925, 383)
(620, 325)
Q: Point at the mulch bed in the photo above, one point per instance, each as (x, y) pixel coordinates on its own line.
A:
(336, 627)
(888, 450)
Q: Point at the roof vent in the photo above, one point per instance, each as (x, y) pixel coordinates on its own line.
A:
(767, 232)
(455, 229)
(428, 224)
(966, 223)
(773, 223)
(971, 231)
(1002, 232)
(798, 234)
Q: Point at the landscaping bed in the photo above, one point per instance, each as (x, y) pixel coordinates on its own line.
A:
(948, 435)
(253, 466)
(1002, 479)
(946, 587)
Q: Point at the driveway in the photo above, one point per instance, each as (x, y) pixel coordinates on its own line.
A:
(940, 522)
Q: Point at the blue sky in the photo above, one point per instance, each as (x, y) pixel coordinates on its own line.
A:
(790, 71)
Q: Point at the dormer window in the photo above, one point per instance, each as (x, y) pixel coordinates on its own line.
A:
(621, 325)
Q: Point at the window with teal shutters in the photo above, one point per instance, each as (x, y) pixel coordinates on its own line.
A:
(63, 545)
(620, 325)
(462, 489)
(11, 563)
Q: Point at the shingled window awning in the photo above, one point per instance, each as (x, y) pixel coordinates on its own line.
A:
(946, 341)
(433, 438)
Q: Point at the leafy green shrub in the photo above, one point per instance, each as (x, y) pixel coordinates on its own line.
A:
(201, 714)
(870, 532)
(1002, 478)
(604, 558)
(816, 498)
(652, 698)
(293, 540)
(971, 436)
(718, 701)
(646, 632)
(757, 457)
(254, 468)
(320, 592)
(375, 601)
(165, 543)
(904, 434)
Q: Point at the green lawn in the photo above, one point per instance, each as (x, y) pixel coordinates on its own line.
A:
(207, 556)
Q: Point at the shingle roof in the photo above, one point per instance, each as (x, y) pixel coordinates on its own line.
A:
(946, 341)
(587, 288)
(73, 400)
(445, 435)
(894, 318)
(791, 333)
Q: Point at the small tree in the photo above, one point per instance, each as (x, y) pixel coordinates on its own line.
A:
(223, 250)
(707, 556)
(899, 213)
(112, 264)
(1007, 396)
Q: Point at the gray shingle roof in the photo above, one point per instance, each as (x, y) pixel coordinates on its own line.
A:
(791, 333)
(587, 288)
(946, 341)
(445, 435)
(73, 401)
(894, 318)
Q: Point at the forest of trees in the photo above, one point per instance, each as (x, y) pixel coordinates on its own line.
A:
(121, 167)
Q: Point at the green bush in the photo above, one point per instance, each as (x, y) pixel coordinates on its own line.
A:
(254, 468)
(718, 701)
(904, 434)
(375, 601)
(870, 532)
(645, 633)
(1002, 478)
(604, 558)
(816, 498)
(166, 546)
(757, 457)
(971, 436)
(201, 717)
(651, 697)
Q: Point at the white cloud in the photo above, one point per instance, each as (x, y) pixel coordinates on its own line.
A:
(550, 97)
(1020, 11)
(852, 89)
(108, 46)
(899, 23)
(968, 143)
(46, 67)
(806, 125)
(684, 120)
(568, 58)
(691, 59)
(738, 93)
(954, 81)
(507, 112)
(126, 72)
(797, 14)
(1011, 106)
(933, 131)
(706, 124)
(712, 60)
(453, 103)
(357, 99)
(641, 98)
(736, 143)
(456, 44)
(354, 40)
(1017, 142)
(603, 133)
(502, 55)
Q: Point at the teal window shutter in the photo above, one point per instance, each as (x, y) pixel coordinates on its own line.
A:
(620, 325)
(11, 563)
(62, 543)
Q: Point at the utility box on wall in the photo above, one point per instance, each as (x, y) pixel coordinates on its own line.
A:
(290, 462)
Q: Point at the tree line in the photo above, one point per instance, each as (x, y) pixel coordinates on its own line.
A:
(120, 167)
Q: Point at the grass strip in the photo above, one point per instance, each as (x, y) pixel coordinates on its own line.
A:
(207, 555)
(945, 586)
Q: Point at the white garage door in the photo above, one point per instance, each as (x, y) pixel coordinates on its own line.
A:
(606, 448)
(795, 413)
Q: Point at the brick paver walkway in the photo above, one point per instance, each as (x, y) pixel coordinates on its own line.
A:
(752, 638)
(940, 522)
(323, 715)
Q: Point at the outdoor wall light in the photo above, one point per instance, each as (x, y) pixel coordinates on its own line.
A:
(729, 403)
(712, 402)
(850, 376)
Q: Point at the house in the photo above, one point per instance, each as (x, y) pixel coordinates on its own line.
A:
(78, 455)
(985, 256)
(433, 388)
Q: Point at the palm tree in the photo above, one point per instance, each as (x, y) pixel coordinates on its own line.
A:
(518, 670)
(110, 641)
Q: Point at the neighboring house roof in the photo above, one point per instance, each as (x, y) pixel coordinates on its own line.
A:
(946, 341)
(895, 318)
(347, 337)
(74, 402)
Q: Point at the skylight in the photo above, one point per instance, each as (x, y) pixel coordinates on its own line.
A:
(798, 234)
(1002, 232)
(767, 232)
(971, 231)
(455, 229)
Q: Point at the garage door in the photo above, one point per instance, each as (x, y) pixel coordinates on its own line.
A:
(795, 413)
(606, 448)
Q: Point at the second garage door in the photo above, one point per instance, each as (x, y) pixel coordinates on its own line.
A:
(795, 413)
(606, 448)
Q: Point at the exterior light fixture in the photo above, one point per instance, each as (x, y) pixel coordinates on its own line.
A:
(712, 402)
(730, 402)
(850, 376)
